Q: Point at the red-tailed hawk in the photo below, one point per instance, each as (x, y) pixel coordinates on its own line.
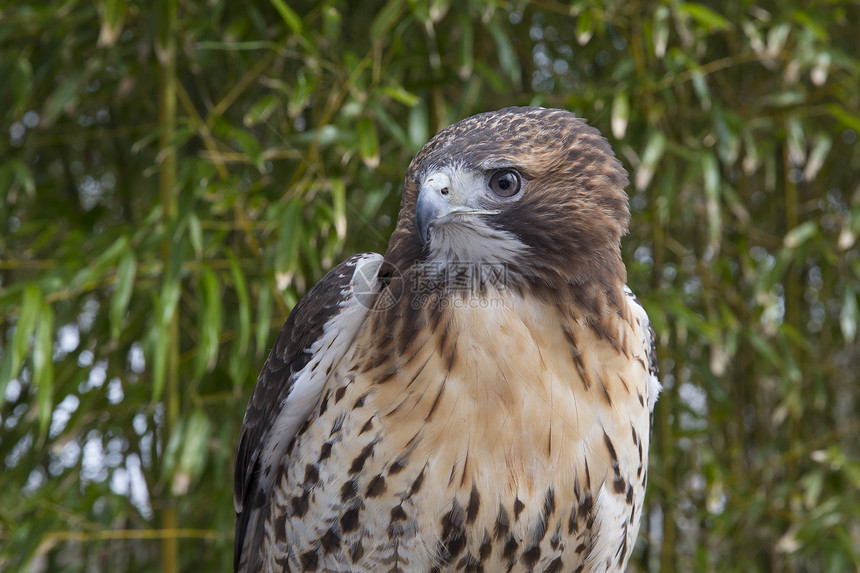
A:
(479, 399)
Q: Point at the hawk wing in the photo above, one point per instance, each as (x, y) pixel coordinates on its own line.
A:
(650, 347)
(317, 334)
(617, 510)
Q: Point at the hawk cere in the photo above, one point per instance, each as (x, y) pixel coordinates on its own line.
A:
(479, 398)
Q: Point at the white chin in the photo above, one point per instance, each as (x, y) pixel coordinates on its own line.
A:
(471, 241)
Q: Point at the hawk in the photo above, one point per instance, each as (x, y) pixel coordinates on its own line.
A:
(479, 398)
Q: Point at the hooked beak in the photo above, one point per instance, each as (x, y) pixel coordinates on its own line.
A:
(434, 206)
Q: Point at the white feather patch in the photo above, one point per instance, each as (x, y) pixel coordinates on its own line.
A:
(473, 242)
(654, 386)
(338, 336)
(610, 517)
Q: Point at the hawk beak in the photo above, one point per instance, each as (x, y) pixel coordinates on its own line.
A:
(434, 207)
(431, 206)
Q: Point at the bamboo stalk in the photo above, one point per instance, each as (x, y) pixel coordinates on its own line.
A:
(165, 50)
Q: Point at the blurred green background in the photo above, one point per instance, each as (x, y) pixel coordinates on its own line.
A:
(176, 174)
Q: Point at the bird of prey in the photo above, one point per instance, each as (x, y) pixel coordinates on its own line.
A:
(478, 399)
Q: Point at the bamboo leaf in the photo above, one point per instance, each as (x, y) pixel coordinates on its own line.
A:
(99, 266)
(6, 375)
(209, 320)
(704, 16)
(849, 120)
(171, 455)
(239, 358)
(31, 304)
(64, 98)
(261, 110)
(620, 114)
(250, 147)
(421, 11)
(289, 16)
(43, 367)
(660, 31)
(194, 452)
(507, 55)
(467, 47)
(159, 341)
(338, 196)
(112, 13)
(22, 175)
(241, 287)
(195, 234)
(848, 316)
(700, 86)
(368, 142)
(386, 18)
(584, 27)
(776, 38)
(171, 288)
(796, 141)
(264, 317)
(694, 321)
(332, 23)
(390, 124)
(800, 234)
(417, 129)
(399, 94)
(819, 152)
(300, 94)
(125, 277)
(764, 349)
(288, 243)
(19, 82)
(711, 174)
(650, 158)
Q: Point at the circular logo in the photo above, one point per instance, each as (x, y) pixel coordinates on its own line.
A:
(377, 286)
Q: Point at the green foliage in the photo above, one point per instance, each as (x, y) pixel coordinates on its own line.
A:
(175, 177)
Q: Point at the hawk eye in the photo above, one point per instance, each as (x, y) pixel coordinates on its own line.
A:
(505, 182)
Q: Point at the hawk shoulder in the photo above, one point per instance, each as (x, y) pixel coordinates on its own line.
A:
(317, 332)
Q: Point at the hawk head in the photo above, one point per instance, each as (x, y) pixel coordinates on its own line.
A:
(538, 190)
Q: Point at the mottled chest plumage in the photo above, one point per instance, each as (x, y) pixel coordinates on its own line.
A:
(462, 454)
